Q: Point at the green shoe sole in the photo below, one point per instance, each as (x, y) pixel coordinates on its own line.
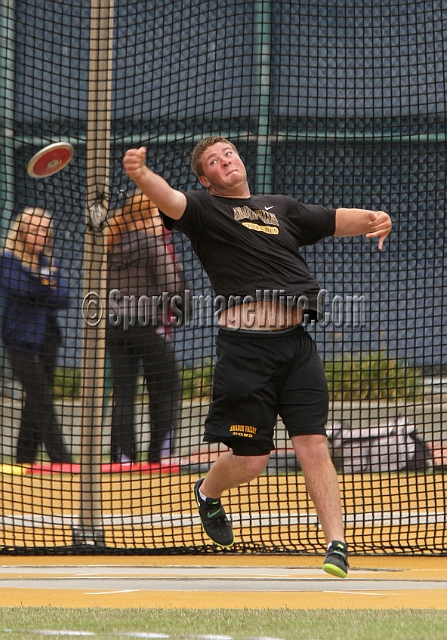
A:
(334, 571)
(222, 546)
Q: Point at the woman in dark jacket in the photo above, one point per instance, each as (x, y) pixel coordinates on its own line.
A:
(33, 289)
(141, 267)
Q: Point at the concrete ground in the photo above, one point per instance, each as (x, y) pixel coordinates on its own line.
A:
(380, 582)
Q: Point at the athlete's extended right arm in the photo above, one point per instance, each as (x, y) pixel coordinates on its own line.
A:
(167, 199)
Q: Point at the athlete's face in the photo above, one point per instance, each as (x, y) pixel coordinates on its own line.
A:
(223, 171)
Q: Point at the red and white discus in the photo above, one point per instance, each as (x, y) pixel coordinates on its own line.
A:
(50, 159)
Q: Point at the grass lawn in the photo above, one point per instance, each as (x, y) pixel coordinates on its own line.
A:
(29, 623)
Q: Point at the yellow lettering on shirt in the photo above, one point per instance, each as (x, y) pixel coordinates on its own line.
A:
(257, 227)
(254, 214)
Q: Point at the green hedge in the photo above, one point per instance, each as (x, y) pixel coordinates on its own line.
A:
(198, 381)
(67, 382)
(366, 376)
(372, 376)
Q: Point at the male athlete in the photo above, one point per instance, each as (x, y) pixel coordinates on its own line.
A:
(267, 364)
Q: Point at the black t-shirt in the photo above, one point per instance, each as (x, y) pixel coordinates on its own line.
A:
(249, 247)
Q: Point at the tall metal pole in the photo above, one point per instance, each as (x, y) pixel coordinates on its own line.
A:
(7, 55)
(262, 53)
(89, 531)
(7, 176)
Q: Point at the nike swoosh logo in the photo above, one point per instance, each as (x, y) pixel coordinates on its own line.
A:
(268, 208)
(211, 515)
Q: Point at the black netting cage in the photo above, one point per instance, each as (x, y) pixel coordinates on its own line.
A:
(335, 103)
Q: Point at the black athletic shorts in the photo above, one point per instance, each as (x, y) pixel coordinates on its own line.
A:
(258, 375)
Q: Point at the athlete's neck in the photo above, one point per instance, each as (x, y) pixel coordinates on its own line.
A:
(230, 193)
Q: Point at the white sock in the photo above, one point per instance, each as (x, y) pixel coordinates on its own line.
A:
(331, 543)
(201, 495)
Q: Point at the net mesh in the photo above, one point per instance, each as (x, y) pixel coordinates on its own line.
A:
(332, 103)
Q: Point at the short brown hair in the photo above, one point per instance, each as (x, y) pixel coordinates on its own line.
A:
(200, 147)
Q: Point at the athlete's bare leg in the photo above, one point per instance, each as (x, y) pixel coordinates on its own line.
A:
(321, 480)
(231, 471)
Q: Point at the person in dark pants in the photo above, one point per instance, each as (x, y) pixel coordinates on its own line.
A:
(33, 289)
(141, 267)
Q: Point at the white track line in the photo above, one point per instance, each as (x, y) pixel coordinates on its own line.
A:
(384, 518)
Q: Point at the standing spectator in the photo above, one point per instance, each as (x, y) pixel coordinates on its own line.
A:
(141, 265)
(33, 289)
